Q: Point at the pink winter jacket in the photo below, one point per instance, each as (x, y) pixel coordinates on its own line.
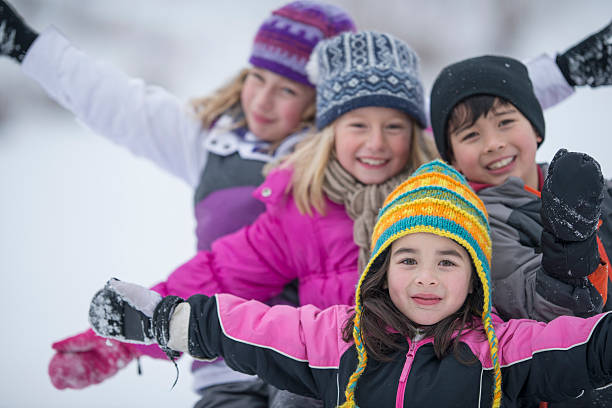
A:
(257, 261)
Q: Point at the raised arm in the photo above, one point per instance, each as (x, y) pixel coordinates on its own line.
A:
(146, 119)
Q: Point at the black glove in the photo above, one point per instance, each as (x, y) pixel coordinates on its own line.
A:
(15, 36)
(127, 312)
(590, 61)
(571, 207)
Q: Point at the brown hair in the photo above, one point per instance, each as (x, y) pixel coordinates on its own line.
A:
(379, 315)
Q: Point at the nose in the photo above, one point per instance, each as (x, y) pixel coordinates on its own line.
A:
(494, 143)
(376, 139)
(264, 99)
(425, 277)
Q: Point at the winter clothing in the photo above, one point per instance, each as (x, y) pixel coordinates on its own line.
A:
(367, 68)
(286, 38)
(15, 36)
(256, 261)
(572, 213)
(436, 199)
(523, 289)
(223, 166)
(87, 359)
(590, 61)
(361, 202)
(301, 349)
(491, 75)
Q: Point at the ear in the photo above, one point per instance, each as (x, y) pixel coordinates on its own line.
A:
(539, 139)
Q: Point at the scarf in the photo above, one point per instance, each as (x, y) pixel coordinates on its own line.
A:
(361, 201)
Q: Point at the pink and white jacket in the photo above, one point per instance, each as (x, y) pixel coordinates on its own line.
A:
(301, 349)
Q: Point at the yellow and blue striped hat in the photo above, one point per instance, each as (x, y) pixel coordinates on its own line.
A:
(435, 199)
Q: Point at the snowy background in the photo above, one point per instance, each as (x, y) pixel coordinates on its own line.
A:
(76, 209)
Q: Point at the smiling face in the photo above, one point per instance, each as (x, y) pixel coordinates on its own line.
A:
(499, 144)
(373, 143)
(429, 277)
(273, 105)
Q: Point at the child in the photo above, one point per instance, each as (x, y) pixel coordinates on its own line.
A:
(421, 333)
(322, 202)
(218, 147)
(549, 257)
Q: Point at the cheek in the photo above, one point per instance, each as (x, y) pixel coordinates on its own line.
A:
(291, 111)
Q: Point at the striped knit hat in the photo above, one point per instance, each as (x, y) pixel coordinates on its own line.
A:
(366, 68)
(286, 38)
(435, 199)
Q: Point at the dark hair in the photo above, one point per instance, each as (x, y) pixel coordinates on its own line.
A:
(384, 327)
(468, 111)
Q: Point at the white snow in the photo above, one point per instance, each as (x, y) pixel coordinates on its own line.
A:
(77, 210)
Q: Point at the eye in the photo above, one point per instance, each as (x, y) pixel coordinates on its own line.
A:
(288, 91)
(447, 263)
(408, 261)
(396, 126)
(257, 76)
(506, 122)
(357, 125)
(468, 136)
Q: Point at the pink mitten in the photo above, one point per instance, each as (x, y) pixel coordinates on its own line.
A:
(87, 359)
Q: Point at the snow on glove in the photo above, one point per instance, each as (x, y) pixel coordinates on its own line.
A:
(132, 313)
(87, 359)
(590, 61)
(571, 207)
(15, 36)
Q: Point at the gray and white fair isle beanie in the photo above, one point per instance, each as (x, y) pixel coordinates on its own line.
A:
(366, 68)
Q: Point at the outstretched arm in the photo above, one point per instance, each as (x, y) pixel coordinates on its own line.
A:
(298, 349)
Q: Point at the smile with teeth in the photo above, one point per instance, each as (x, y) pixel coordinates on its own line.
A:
(372, 162)
(500, 163)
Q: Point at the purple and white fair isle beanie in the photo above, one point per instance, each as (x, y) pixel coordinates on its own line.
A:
(285, 40)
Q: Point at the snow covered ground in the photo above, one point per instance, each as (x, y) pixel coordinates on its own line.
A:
(76, 209)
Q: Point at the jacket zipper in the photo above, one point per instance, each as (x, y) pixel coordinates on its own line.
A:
(401, 388)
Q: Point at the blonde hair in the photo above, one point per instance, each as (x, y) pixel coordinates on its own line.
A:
(226, 99)
(311, 156)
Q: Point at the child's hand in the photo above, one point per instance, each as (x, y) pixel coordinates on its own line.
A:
(572, 196)
(590, 61)
(571, 207)
(129, 312)
(15, 36)
(87, 359)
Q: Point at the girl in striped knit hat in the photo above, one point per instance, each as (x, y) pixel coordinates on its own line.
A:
(421, 332)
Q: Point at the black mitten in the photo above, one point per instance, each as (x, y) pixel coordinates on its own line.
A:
(571, 207)
(131, 313)
(15, 36)
(590, 61)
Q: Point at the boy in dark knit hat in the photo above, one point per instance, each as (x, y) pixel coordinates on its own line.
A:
(549, 245)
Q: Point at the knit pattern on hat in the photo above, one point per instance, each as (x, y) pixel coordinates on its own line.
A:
(287, 37)
(367, 68)
(436, 199)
